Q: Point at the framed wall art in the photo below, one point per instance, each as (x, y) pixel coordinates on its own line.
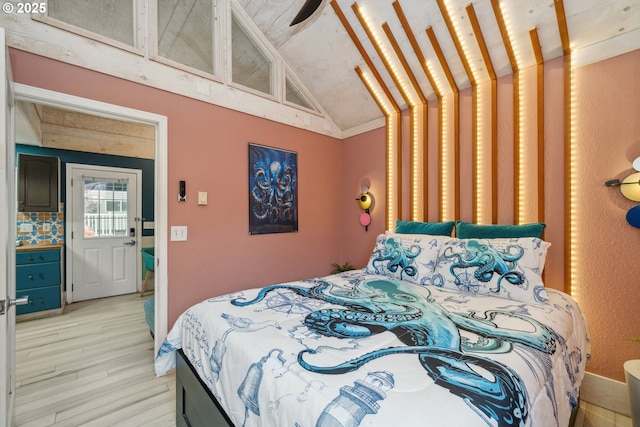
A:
(273, 190)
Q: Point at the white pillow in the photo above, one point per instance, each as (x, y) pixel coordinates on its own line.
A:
(506, 268)
(410, 257)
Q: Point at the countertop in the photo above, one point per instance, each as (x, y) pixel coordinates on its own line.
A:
(26, 248)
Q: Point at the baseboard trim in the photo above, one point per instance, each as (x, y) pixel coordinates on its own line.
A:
(606, 393)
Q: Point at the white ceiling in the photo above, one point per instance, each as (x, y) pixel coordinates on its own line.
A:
(323, 56)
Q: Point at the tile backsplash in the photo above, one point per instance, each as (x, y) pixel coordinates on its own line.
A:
(40, 228)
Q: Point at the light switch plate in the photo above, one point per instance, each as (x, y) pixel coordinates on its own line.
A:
(26, 228)
(178, 233)
(202, 198)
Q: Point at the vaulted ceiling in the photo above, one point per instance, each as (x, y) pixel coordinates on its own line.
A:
(324, 56)
(416, 49)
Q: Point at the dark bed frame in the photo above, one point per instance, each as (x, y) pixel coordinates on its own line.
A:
(196, 406)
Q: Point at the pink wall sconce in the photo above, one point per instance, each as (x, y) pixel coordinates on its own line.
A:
(630, 188)
(364, 201)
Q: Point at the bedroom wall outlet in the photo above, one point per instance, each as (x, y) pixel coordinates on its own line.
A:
(178, 233)
(202, 198)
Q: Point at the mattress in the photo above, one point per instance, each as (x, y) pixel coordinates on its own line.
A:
(366, 349)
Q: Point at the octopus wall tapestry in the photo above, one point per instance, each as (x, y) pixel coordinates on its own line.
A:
(273, 190)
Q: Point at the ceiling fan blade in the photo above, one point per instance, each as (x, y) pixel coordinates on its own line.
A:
(306, 11)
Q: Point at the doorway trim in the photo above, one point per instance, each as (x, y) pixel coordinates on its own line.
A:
(88, 106)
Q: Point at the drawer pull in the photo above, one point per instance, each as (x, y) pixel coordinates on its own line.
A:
(30, 277)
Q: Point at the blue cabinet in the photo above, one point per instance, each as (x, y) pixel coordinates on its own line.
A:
(39, 275)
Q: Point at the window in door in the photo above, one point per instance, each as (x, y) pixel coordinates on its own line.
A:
(105, 208)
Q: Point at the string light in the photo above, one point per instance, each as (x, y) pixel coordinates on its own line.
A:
(392, 119)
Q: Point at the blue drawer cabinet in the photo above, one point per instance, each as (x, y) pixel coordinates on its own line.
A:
(38, 275)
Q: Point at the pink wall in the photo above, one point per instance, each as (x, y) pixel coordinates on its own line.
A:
(554, 170)
(608, 282)
(208, 149)
(505, 154)
(364, 163)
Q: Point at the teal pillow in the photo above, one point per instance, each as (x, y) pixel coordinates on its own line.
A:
(430, 228)
(465, 230)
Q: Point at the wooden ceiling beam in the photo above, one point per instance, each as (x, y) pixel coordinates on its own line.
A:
(403, 61)
(504, 33)
(456, 40)
(432, 81)
(482, 44)
(456, 125)
(493, 179)
(363, 53)
(373, 94)
(416, 48)
(535, 44)
(442, 59)
(419, 125)
(381, 54)
(569, 161)
(537, 50)
(562, 26)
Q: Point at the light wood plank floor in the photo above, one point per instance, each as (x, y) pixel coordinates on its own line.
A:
(93, 365)
(590, 415)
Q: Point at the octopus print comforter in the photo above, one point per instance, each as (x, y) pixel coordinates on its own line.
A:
(360, 349)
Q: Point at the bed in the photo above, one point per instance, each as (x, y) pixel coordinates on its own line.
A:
(433, 331)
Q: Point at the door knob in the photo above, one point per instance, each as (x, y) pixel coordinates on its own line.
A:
(19, 301)
(130, 243)
(4, 304)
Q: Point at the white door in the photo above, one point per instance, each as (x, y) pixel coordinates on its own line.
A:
(105, 219)
(7, 241)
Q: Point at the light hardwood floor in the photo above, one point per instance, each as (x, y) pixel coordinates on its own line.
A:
(590, 415)
(93, 365)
